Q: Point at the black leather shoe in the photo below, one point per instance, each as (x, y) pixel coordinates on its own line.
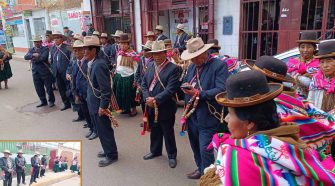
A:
(41, 104)
(78, 119)
(196, 175)
(107, 161)
(93, 136)
(150, 156)
(51, 104)
(101, 154)
(65, 107)
(89, 134)
(172, 163)
(85, 126)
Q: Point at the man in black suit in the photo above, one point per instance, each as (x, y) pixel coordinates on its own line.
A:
(181, 38)
(43, 165)
(159, 93)
(98, 99)
(42, 73)
(35, 166)
(60, 60)
(7, 165)
(159, 33)
(20, 163)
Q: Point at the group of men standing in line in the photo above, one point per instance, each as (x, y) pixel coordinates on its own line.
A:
(10, 167)
(96, 76)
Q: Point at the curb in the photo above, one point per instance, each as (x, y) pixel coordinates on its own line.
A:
(54, 180)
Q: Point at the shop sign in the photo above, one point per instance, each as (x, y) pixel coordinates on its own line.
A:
(73, 15)
(54, 22)
(15, 22)
(27, 13)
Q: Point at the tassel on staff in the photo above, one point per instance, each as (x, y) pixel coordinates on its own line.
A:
(138, 95)
(145, 122)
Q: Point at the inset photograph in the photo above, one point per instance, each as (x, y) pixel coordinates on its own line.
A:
(40, 163)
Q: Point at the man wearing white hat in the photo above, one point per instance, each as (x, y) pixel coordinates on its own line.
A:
(80, 84)
(205, 78)
(96, 33)
(60, 60)
(159, 85)
(99, 98)
(35, 166)
(41, 70)
(7, 165)
(159, 33)
(20, 163)
(150, 36)
(181, 38)
(106, 50)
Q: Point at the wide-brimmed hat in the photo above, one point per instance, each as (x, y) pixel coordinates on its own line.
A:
(271, 67)
(57, 33)
(150, 33)
(117, 33)
(216, 43)
(48, 32)
(96, 33)
(308, 37)
(20, 152)
(78, 37)
(326, 50)
(7, 152)
(124, 38)
(147, 46)
(104, 35)
(36, 38)
(91, 41)
(248, 88)
(180, 26)
(78, 44)
(158, 46)
(195, 47)
(36, 153)
(159, 27)
(167, 42)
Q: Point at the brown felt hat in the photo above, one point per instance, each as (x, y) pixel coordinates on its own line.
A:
(216, 43)
(308, 37)
(326, 50)
(124, 38)
(248, 88)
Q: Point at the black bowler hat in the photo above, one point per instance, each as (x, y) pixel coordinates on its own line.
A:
(48, 33)
(308, 37)
(271, 67)
(248, 88)
(326, 49)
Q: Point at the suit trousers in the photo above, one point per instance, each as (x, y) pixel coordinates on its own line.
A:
(62, 84)
(84, 113)
(163, 129)
(8, 180)
(106, 135)
(34, 175)
(21, 175)
(41, 84)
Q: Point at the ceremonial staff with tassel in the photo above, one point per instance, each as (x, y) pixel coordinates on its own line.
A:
(159, 85)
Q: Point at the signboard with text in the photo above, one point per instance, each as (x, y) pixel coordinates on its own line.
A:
(73, 15)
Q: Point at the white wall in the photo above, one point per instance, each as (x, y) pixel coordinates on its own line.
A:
(138, 24)
(20, 42)
(86, 5)
(228, 43)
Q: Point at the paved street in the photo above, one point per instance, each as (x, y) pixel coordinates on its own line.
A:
(20, 120)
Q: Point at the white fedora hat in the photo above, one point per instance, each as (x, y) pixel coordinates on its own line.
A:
(36, 38)
(78, 44)
(159, 27)
(7, 152)
(195, 47)
(180, 26)
(117, 33)
(150, 33)
(96, 33)
(104, 35)
(148, 45)
(91, 41)
(78, 37)
(158, 46)
(57, 33)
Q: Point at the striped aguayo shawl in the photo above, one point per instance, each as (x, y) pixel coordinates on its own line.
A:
(262, 160)
(317, 127)
(232, 63)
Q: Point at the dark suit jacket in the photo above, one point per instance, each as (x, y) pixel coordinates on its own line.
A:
(18, 165)
(140, 71)
(213, 81)
(60, 65)
(34, 163)
(4, 166)
(79, 80)
(40, 65)
(181, 43)
(100, 77)
(108, 54)
(165, 98)
(44, 161)
(162, 37)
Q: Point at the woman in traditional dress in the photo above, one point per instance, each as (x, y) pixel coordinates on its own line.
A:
(56, 165)
(5, 69)
(305, 66)
(322, 88)
(74, 166)
(270, 152)
(124, 82)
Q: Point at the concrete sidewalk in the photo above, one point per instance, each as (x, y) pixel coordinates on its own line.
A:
(50, 178)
